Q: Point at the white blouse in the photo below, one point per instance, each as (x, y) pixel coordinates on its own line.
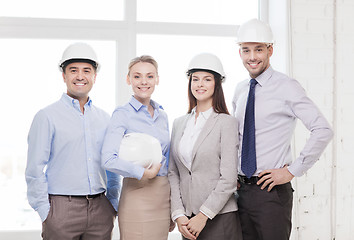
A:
(191, 133)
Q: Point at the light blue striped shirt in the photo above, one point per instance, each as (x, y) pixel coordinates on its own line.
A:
(134, 117)
(64, 148)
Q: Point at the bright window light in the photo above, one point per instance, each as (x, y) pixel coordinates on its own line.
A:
(78, 9)
(198, 11)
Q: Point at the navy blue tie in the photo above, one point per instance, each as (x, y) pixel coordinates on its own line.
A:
(248, 156)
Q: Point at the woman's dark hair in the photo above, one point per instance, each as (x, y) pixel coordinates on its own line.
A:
(219, 104)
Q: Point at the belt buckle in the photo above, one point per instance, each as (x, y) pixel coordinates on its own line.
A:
(242, 179)
(245, 180)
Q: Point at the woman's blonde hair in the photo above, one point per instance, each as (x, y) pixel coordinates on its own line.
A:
(143, 58)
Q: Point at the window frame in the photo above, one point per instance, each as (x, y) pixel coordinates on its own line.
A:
(125, 33)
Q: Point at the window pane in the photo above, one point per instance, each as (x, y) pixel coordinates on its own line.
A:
(31, 81)
(197, 11)
(173, 61)
(78, 9)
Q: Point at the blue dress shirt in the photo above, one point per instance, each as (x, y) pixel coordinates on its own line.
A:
(64, 148)
(134, 117)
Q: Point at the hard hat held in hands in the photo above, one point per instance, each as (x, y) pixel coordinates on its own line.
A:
(141, 149)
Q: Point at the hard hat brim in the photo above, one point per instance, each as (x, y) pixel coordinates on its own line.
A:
(63, 65)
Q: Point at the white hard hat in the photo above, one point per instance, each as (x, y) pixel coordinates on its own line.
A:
(255, 30)
(206, 61)
(141, 149)
(79, 51)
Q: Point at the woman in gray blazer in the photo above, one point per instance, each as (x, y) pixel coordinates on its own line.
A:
(203, 158)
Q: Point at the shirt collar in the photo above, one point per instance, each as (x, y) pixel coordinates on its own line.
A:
(262, 79)
(138, 105)
(206, 114)
(72, 101)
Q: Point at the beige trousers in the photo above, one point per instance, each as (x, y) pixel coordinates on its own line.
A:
(144, 209)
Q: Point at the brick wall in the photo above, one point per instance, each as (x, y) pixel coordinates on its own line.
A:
(322, 40)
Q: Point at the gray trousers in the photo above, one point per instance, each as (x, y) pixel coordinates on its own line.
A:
(265, 215)
(224, 226)
(78, 218)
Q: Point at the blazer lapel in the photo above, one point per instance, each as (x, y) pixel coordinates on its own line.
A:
(179, 134)
(209, 125)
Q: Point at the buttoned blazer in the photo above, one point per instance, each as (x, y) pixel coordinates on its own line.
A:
(208, 185)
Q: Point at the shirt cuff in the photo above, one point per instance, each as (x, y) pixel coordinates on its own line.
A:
(177, 213)
(297, 169)
(177, 216)
(139, 173)
(207, 212)
(43, 212)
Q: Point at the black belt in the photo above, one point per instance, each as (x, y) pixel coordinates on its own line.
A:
(246, 180)
(88, 197)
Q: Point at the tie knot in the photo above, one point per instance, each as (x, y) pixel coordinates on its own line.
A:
(253, 82)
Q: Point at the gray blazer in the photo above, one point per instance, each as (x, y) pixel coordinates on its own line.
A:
(209, 184)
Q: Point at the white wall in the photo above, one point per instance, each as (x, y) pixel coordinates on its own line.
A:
(321, 46)
(345, 129)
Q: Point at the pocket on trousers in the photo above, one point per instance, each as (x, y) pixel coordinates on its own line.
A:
(50, 213)
(285, 194)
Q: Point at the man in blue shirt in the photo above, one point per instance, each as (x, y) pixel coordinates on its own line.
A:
(73, 195)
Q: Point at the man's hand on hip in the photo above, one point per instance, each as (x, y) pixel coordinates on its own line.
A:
(273, 177)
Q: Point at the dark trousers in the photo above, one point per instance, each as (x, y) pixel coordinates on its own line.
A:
(78, 218)
(224, 226)
(265, 215)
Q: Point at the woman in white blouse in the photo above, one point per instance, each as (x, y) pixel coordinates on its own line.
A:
(203, 158)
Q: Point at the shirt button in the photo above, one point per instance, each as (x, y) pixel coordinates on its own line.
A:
(89, 159)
